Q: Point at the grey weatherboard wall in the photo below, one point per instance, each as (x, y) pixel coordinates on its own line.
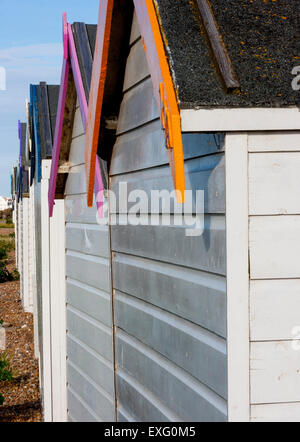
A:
(90, 355)
(169, 289)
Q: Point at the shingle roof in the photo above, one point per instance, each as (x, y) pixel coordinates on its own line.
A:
(262, 39)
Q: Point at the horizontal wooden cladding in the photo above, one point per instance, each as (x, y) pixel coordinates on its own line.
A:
(95, 366)
(92, 302)
(170, 244)
(76, 182)
(88, 239)
(77, 212)
(275, 372)
(77, 151)
(274, 141)
(179, 392)
(274, 309)
(145, 148)
(137, 67)
(78, 128)
(193, 295)
(197, 351)
(92, 395)
(274, 247)
(274, 184)
(90, 270)
(78, 410)
(205, 174)
(276, 412)
(142, 402)
(91, 333)
(135, 30)
(138, 107)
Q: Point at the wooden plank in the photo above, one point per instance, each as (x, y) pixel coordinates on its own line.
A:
(165, 381)
(76, 152)
(135, 30)
(199, 352)
(91, 301)
(274, 249)
(204, 173)
(138, 107)
(217, 44)
(58, 312)
(46, 375)
(97, 92)
(45, 123)
(78, 128)
(237, 276)
(91, 333)
(196, 296)
(85, 56)
(274, 184)
(274, 141)
(89, 270)
(274, 372)
(276, 412)
(144, 148)
(78, 411)
(170, 244)
(95, 366)
(76, 210)
(95, 397)
(88, 239)
(137, 67)
(240, 119)
(274, 309)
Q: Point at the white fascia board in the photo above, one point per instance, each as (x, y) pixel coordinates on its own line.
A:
(240, 119)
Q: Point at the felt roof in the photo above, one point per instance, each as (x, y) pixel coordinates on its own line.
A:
(262, 40)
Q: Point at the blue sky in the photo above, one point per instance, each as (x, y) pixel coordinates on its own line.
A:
(30, 52)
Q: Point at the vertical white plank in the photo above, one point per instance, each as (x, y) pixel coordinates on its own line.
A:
(58, 312)
(236, 158)
(25, 269)
(46, 381)
(34, 287)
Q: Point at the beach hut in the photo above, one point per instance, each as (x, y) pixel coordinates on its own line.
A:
(23, 222)
(205, 327)
(47, 242)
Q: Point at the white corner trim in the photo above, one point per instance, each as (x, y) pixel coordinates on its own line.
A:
(236, 166)
(240, 119)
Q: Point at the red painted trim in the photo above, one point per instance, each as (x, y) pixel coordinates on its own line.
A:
(97, 92)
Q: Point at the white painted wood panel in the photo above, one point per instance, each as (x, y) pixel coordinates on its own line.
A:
(274, 243)
(274, 183)
(274, 141)
(58, 312)
(236, 153)
(240, 119)
(275, 372)
(274, 309)
(276, 412)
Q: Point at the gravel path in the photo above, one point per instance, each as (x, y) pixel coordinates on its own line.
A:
(22, 399)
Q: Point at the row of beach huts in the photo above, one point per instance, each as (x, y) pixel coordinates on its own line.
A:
(148, 321)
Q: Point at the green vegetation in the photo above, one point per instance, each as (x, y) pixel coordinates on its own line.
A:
(6, 373)
(7, 244)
